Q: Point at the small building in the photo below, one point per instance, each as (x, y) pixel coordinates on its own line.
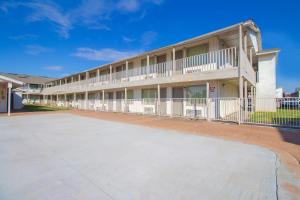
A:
(296, 93)
(29, 92)
(7, 84)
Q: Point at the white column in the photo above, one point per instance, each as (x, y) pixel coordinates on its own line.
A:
(56, 99)
(158, 99)
(110, 73)
(240, 66)
(66, 80)
(9, 86)
(246, 98)
(126, 69)
(250, 56)
(245, 43)
(207, 101)
(79, 77)
(125, 100)
(74, 100)
(86, 100)
(251, 96)
(87, 75)
(102, 99)
(72, 79)
(148, 65)
(60, 82)
(65, 103)
(98, 75)
(173, 63)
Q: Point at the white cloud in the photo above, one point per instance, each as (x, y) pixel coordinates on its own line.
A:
(148, 37)
(128, 5)
(127, 39)
(89, 13)
(36, 49)
(106, 54)
(54, 68)
(44, 11)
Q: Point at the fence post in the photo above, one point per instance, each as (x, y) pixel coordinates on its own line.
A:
(207, 109)
(240, 110)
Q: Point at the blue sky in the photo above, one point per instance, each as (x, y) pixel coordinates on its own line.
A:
(55, 38)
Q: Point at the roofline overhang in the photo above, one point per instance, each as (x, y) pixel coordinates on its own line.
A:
(8, 79)
(268, 51)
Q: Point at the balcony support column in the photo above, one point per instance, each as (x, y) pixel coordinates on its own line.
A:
(148, 65)
(110, 73)
(56, 99)
(87, 75)
(240, 62)
(79, 77)
(125, 98)
(98, 75)
(126, 69)
(86, 100)
(246, 98)
(174, 60)
(250, 56)
(245, 43)
(74, 100)
(207, 101)
(65, 103)
(158, 99)
(103, 100)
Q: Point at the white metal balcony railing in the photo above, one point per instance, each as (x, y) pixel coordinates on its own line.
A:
(211, 61)
(32, 90)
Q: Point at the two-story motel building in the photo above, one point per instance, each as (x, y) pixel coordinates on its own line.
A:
(215, 68)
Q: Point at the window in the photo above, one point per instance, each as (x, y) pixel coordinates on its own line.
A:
(149, 93)
(129, 94)
(130, 65)
(197, 91)
(196, 50)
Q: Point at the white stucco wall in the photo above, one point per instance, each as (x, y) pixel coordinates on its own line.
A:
(3, 98)
(266, 85)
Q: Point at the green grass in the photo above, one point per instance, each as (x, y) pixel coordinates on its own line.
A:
(41, 108)
(281, 116)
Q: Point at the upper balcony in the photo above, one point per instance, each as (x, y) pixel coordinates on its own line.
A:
(224, 54)
(217, 64)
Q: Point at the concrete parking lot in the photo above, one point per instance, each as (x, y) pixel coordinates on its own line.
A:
(64, 156)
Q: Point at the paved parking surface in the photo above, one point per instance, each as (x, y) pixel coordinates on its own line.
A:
(63, 156)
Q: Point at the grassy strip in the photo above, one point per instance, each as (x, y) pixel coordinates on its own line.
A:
(281, 115)
(42, 108)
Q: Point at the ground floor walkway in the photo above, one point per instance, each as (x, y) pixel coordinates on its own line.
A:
(66, 156)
